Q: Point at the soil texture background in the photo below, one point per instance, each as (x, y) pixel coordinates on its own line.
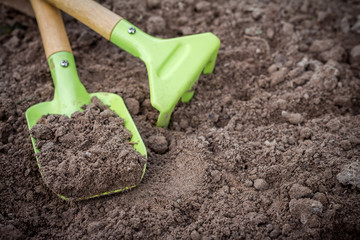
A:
(268, 148)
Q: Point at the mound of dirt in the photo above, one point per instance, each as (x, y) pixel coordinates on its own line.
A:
(87, 154)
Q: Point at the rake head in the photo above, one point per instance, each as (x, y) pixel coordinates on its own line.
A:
(173, 65)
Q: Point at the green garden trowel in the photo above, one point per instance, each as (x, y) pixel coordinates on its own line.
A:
(173, 65)
(70, 95)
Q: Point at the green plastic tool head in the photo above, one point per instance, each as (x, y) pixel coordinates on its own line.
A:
(173, 65)
(69, 96)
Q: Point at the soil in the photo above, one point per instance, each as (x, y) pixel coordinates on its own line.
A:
(87, 154)
(269, 147)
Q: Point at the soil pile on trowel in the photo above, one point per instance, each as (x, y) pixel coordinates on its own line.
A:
(87, 154)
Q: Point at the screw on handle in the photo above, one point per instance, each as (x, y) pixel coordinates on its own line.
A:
(91, 13)
(51, 27)
(64, 63)
(132, 30)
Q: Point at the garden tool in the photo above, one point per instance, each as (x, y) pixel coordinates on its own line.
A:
(173, 65)
(70, 95)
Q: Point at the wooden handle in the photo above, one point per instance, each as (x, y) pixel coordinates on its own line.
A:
(51, 27)
(91, 13)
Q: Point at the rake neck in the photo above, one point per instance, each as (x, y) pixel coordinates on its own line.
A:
(130, 38)
(68, 89)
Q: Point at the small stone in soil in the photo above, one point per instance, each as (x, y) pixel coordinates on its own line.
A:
(321, 45)
(42, 132)
(354, 140)
(184, 123)
(305, 133)
(356, 26)
(195, 235)
(276, 232)
(355, 55)
(305, 209)
(334, 125)
(253, 31)
(248, 183)
(296, 72)
(278, 77)
(133, 105)
(256, 14)
(336, 53)
(286, 229)
(344, 25)
(270, 33)
(298, 191)
(281, 103)
(257, 218)
(261, 184)
(216, 175)
(294, 118)
(345, 144)
(158, 144)
(342, 101)
(321, 197)
(350, 175)
(203, 6)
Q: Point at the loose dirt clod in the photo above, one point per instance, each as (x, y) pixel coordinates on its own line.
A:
(355, 55)
(298, 191)
(158, 143)
(294, 118)
(350, 175)
(261, 184)
(307, 211)
(87, 154)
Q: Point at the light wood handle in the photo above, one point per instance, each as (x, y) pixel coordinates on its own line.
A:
(91, 13)
(51, 27)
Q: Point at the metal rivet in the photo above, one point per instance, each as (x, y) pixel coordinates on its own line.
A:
(131, 30)
(64, 63)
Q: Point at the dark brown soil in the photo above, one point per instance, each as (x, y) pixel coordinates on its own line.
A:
(268, 148)
(87, 154)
